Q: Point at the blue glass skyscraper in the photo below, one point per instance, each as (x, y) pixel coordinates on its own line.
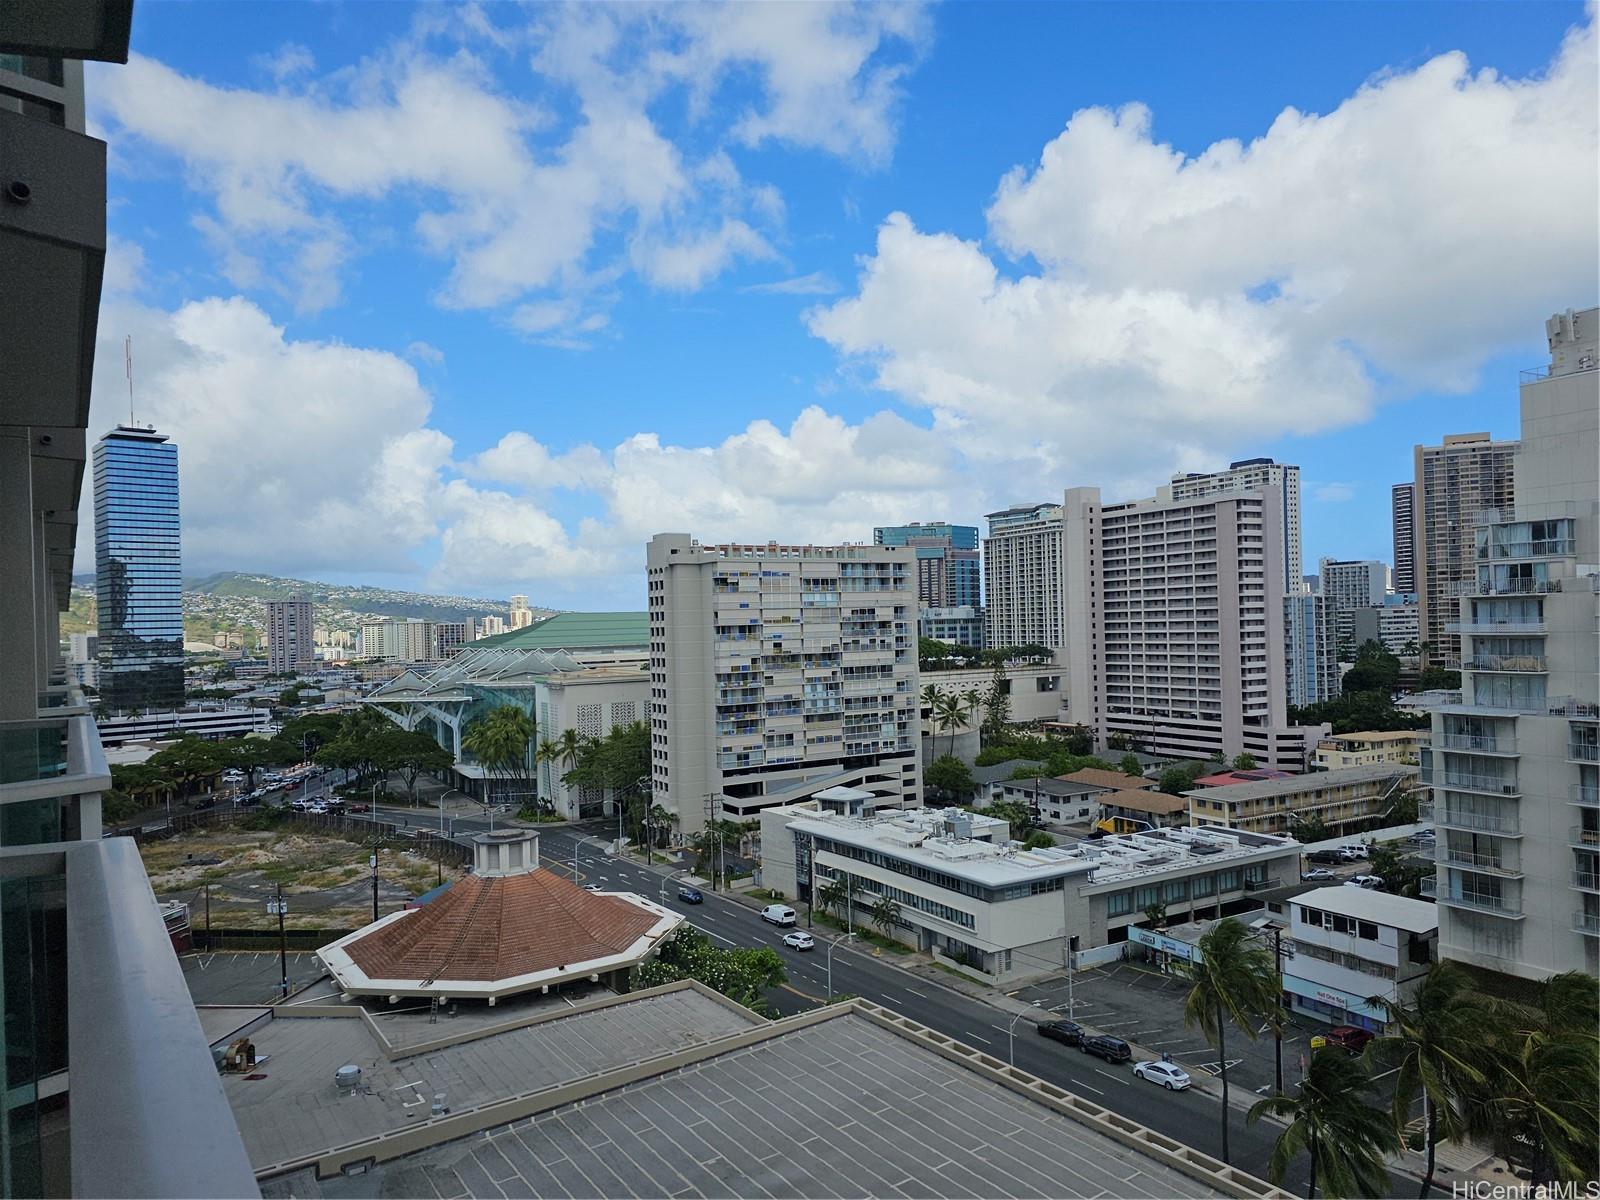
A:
(138, 570)
(947, 561)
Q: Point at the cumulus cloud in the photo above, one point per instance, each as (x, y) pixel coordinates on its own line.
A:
(425, 352)
(1168, 310)
(525, 201)
(818, 283)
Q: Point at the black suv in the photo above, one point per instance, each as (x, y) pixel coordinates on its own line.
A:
(1113, 1050)
(1069, 1033)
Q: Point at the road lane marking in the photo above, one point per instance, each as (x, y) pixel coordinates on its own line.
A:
(1078, 1083)
(976, 1038)
(1108, 1075)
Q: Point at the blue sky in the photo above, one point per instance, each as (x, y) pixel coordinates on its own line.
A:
(478, 298)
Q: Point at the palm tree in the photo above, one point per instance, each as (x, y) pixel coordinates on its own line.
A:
(949, 715)
(885, 914)
(971, 706)
(1434, 1044)
(1335, 1119)
(1234, 979)
(833, 895)
(1544, 1080)
(930, 696)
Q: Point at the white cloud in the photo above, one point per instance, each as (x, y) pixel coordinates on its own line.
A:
(1181, 308)
(528, 204)
(818, 283)
(425, 352)
(1333, 493)
(125, 266)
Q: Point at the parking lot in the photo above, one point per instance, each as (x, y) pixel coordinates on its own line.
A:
(244, 977)
(1142, 1006)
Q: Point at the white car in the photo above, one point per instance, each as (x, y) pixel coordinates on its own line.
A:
(799, 940)
(1364, 881)
(778, 914)
(1352, 853)
(1171, 1077)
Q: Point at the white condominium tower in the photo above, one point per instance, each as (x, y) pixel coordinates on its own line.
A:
(1466, 475)
(290, 635)
(1348, 585)
(1254, 474)
(521, 615)
(1175, 623)
(1402, 500)
(1022, 576)
(777, 671)
(1515, 767)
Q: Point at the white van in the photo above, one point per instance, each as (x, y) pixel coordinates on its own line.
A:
(778, 914)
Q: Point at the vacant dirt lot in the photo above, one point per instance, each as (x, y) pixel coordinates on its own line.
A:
(326, 879)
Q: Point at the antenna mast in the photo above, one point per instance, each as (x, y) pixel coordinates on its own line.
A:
(127, 362)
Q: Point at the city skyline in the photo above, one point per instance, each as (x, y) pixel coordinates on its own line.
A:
(713, 338)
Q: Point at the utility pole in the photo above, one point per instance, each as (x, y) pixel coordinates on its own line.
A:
(373, 862)
(283, 949)
(1277, 1025)
(208, 916)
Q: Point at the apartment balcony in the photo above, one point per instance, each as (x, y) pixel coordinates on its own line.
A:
(1585, 795)
(1586, 881)
(1496, 628)
(1586, 922)
(1583, 752)
(1482, 902)
(1491, 864)
(1582, 838)
(1461, 781)
(1446, 818)
(1505, 587)
(1572, 708)
(1477, 743)
(52, 771)
(1429, 886)
(1507, 664)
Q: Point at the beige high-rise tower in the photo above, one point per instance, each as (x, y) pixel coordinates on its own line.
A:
(1470, 472)
(290, 635)
(1515, 768)
(777, 671)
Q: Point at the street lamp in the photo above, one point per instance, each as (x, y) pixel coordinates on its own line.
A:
(831, 946)
(1011, 1035)
(661, 892)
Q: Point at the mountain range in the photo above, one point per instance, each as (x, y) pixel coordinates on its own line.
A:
(235, 602)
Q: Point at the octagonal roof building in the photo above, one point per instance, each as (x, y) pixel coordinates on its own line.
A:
(511, 926)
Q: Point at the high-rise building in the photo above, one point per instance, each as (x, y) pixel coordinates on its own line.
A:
(1515, 768)
(1402, 500)
(1348, 585)
(83, 653)
(98, 1022)
(778, 670)
(521, 614)
(1253, 474)
(402, 639)
(489, 626)
(948, 574)
(1022, 564)
(1393, 626)
(1465, 475)
(1174, 620)
(448, 638)
(1311, 665)
(290, 635)
(138, 570)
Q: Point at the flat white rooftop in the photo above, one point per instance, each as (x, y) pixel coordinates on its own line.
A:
(1398, 912)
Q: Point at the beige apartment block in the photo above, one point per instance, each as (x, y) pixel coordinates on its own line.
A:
(777, 670)
(1175, 625)
(1515, 767)
(290, 635)
(1346, 799)
(1454, 482)
(1367, 749)
(1022, 576)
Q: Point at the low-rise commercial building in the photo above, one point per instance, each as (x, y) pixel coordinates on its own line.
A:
(1054, 801)
(1351, 946)
(208, 723)
(977, 902)
(1365, 749)
(1346, 800)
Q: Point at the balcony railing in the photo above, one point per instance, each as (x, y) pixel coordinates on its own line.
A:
(1429, 885)
(1496, 628)
(1572, 708)
(1478, 743)
(1491, 863)
(1588, 839)
(1480, 822)
(1586, 922)
(1462, 781)
(1583, 751)
(1481, 902)
(1585, 794)
(1589, 881)
(1504, 587)
(1517, 663)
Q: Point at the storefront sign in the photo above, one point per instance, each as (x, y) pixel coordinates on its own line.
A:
(1160, 941)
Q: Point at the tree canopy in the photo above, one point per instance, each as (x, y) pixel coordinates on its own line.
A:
(743, 974)
(949, 779)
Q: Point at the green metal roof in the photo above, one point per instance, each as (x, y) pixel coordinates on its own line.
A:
(577, 631)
